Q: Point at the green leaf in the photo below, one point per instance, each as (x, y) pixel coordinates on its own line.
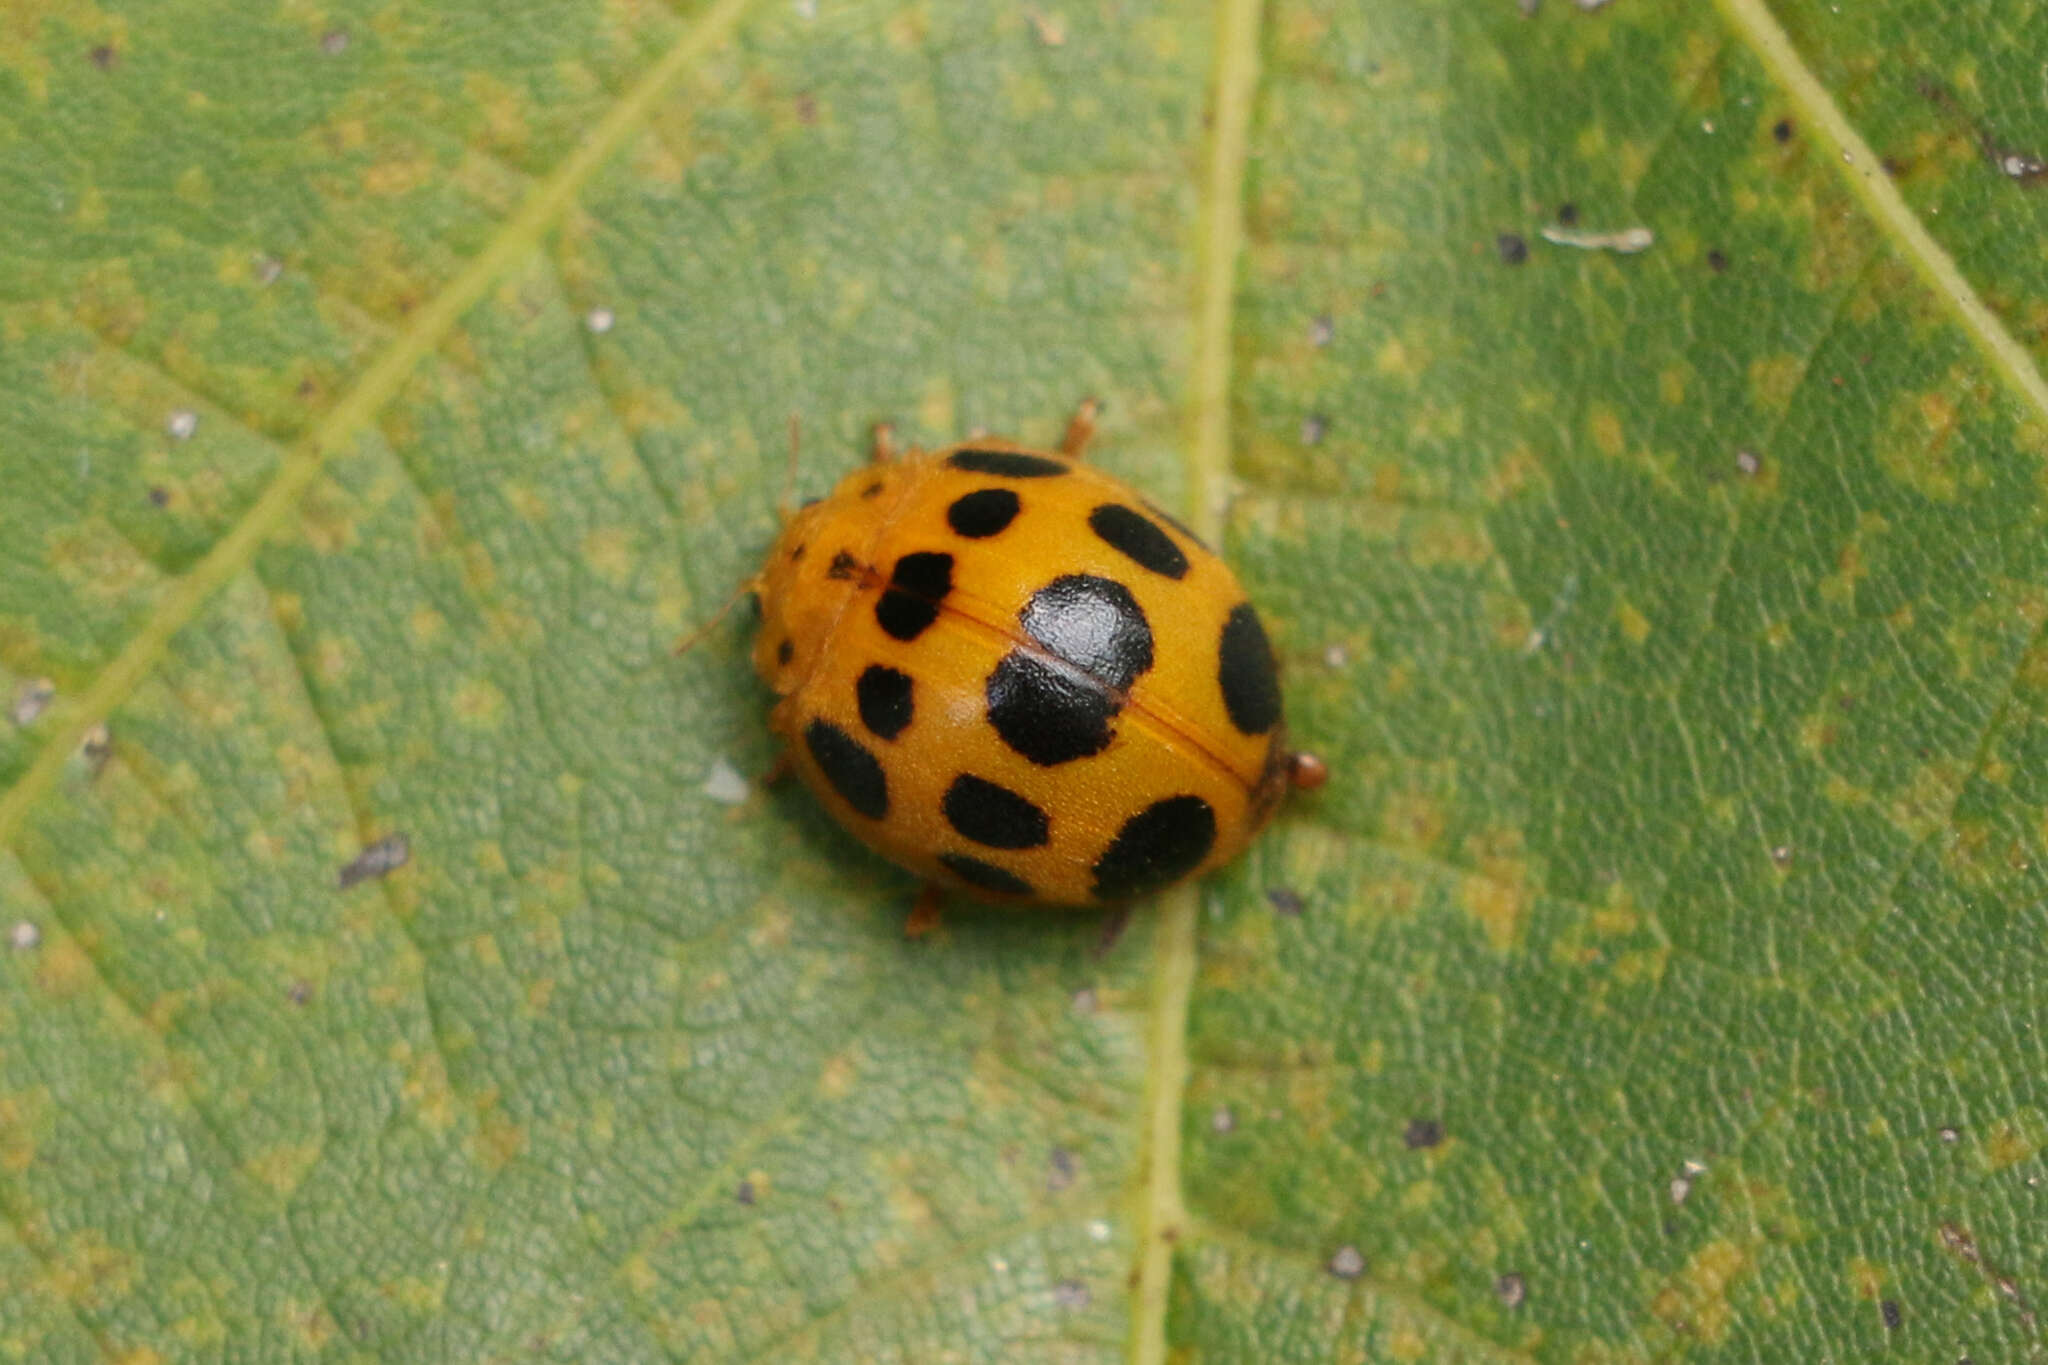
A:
(391, 972)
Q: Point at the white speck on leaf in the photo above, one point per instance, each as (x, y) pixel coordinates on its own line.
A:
(1098, 1230)
(1348, 1263)
(599, 320)
(724, 784)
(1626, 242)
(24, 935)
(33, 699)
(182, 424)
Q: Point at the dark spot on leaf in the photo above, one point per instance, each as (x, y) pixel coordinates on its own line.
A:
(386, 855)
(1782, 130)
(1717, 261)
(1283, 901)
(1567, 213)
(1511, 1289)
(1892, 1316)
(1513, 247)
(1423, 1133)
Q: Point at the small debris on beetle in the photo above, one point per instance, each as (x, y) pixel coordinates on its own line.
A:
(724, 784)
(1348, 1263)
(31, 701)
(1511, 1289)
(387, 854)
(1626, 242)
(25, 935)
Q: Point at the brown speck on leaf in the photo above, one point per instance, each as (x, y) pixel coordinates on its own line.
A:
(1889, 1309)
(1071, 1295)
(387, 854)
(1717, 261)
(1782, 855)
(1348, 1263)
(334, 42)
(1511, 1289)
(1513, 247)
(97, 747)
(1313, 428)
(1059, 1169)
(807, 109)
(299, 992)
(1568, 214)
(24, 936)
(745, 1193)
(103, 56)
(1284, 900)
(159, 496)
(1423, 1133)
(1322, 331)
(1782, 130)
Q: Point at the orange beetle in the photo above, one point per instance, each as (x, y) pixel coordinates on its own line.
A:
(1009, 673)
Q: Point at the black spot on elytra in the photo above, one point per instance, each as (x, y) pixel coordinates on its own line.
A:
(785, 651)
(853, 772)
(1139, 539)
(1245, 669)
(885, 701)
(1156, 847)
(1048, 712)
(987, 876)
(844, 566)
(982, 513)
(919, 582)
(1009, 464)
(1094, 624)
(994, 815)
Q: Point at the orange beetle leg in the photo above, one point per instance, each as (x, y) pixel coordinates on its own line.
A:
(883, 451)
(924, 914)
(1080, 429)
(1307, 772)
(778, 769)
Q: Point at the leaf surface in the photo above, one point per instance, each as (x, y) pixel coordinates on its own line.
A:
(1660, 974)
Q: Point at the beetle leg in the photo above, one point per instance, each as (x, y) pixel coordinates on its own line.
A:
(1080, 429)
(924, 913)
(778, 768)
(1306, 772)
(884, 449)
(1113, 925)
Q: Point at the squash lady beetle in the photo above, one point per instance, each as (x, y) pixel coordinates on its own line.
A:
(1009, 673)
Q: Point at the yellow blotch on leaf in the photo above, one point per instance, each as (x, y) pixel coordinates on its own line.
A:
(1635, 627)
(608, 551)
(479, 703)
(1695, 1302)
(283, 1166)
(1773, 379)
(1604, 425)
(2014, 1139)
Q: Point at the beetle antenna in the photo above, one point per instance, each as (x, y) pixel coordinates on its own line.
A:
(695, 637)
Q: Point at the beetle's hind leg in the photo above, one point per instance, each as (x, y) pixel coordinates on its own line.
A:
(924, 912)
(1080, 429)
